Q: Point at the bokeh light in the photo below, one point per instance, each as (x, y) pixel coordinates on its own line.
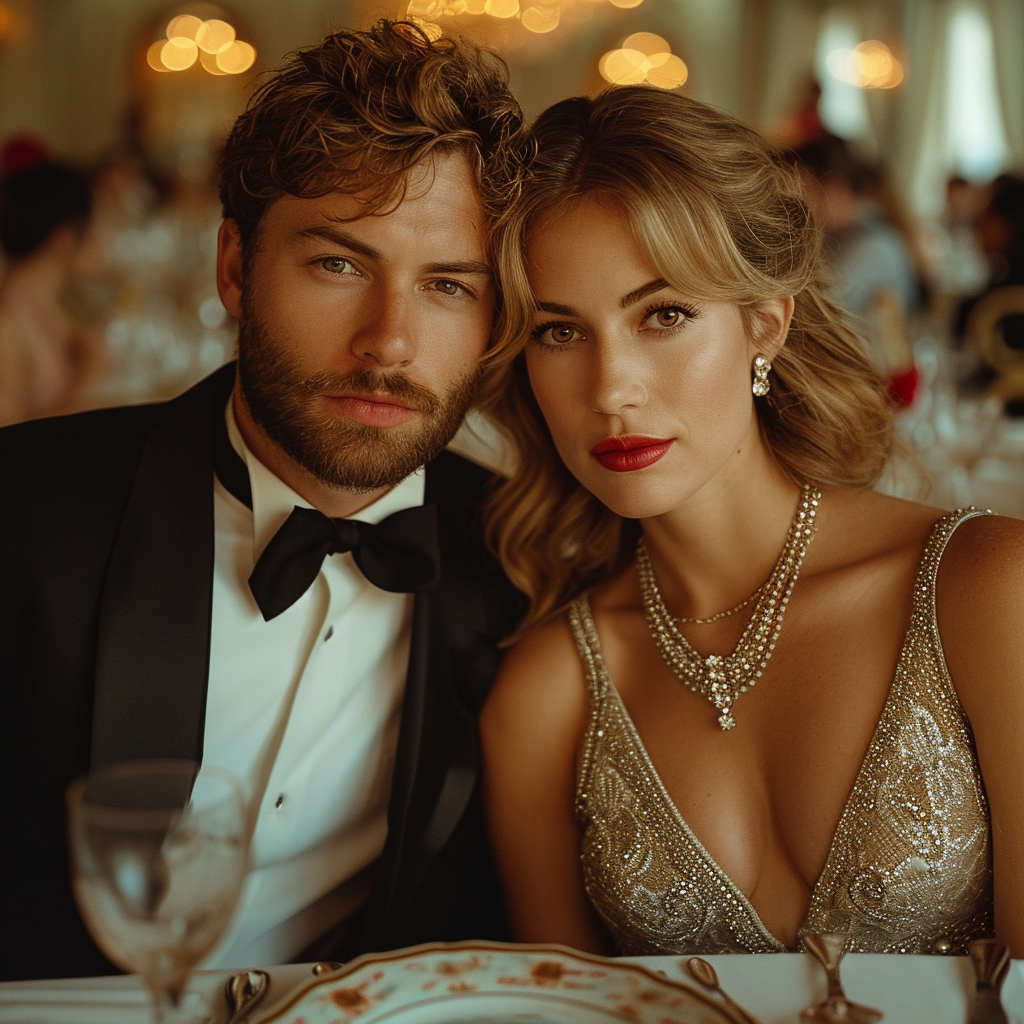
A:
(647, 43)
(869, 65)
(179, 53)
(184, 26)
(214, 34)
(209, 62)
(540, 19)
(643, 57)
(153, 56)
(502, 8)
(236, 57)
(212, 42)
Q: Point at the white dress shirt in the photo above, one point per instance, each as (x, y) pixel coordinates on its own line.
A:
(305, 710)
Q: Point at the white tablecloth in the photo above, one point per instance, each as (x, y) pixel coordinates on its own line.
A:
(774, 987)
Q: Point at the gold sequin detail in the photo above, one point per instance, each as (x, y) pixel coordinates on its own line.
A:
(909, 869)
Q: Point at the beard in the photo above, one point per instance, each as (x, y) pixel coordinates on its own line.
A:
(336, 451)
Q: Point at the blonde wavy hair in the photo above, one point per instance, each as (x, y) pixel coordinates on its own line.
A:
(721, 218)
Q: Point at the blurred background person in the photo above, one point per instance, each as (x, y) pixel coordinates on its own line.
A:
(877, 270)
(46, 235)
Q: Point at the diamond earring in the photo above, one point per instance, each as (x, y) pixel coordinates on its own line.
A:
(761, 385)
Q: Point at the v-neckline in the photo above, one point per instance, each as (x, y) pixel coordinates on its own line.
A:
(677, 815)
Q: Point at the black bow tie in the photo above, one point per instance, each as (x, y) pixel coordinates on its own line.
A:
(399, 554)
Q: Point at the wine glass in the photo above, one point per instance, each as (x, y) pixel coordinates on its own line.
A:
(159, 850)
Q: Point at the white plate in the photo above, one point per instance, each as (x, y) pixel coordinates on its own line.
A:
(495, 983)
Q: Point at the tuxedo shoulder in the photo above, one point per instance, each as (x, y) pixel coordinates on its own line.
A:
(69, 467)
(41, 446)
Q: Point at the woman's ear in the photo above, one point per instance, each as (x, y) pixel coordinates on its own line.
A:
(770, 321)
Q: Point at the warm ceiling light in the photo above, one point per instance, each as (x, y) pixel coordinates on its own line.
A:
(869, 65)
(627, 3)
(214, 34)
(540, 19)
(153, 56)
(236, 57)
(184, 26)
(647, 43)
(624, 67)
(502, 8)
(667, 71)
(179, 53)
(209, 62)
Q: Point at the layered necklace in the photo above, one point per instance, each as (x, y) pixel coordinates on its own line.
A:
(722, 678)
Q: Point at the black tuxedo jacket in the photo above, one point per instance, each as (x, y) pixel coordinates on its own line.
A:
(106, 579)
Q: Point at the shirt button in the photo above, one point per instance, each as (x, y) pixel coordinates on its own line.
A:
(329, 633)
(279, 801)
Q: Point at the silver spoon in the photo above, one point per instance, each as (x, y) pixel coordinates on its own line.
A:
(322, 967)
(828, 948)
(243, 991)
(703, 972)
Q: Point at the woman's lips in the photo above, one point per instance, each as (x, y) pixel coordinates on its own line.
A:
(631, 452)
(371, 410)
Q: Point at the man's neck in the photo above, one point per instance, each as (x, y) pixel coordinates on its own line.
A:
(337, 502)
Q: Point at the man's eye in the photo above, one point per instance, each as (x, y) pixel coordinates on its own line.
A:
(556, 334)
(448, 287)
(337, 265)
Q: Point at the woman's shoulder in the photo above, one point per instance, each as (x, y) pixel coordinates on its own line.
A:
(541, 681)
(982, 569)
(859, 526)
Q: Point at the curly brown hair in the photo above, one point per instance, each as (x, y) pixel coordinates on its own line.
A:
(356, 111)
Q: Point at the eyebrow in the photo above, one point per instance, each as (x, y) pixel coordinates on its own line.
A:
(341, 238)
(338, 237)
(642, 292)
(627, 300)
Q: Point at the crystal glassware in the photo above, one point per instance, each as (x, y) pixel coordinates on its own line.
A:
(159, 851)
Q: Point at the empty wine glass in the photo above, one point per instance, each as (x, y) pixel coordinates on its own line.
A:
(159, 850)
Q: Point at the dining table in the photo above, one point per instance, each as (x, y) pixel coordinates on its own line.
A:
(774, 987)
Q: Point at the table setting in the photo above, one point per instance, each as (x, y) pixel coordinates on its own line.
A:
(159, 851)
(478, 982)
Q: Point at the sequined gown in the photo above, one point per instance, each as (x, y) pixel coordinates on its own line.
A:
(909, 867)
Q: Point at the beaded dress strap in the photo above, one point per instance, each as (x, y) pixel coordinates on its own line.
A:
(584, 632)
(924, 612)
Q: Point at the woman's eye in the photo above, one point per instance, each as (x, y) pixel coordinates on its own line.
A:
(556, 334)
(337, 265)
(670, 316)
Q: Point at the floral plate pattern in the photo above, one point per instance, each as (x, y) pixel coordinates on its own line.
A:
(494, 983)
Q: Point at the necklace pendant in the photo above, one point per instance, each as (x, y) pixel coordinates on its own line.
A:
(726, 721)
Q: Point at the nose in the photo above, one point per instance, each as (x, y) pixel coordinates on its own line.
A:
(618, 380)
(386, 335)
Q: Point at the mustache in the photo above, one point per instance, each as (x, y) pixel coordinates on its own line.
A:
(368, 381)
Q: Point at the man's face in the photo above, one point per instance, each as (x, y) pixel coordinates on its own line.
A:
(360, 336)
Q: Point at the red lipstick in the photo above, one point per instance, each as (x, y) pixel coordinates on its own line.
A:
(630, 452)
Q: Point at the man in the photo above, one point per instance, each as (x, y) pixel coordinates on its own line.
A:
(188, 579)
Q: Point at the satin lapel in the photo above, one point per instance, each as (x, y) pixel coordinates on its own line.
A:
(153, 642)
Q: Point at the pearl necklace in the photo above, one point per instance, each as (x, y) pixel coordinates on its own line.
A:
(722, 678)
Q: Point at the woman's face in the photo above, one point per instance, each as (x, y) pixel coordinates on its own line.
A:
(646, 392)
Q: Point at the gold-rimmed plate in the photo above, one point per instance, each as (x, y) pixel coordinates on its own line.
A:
(494, 983)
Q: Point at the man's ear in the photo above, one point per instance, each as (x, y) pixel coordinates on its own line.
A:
(229, 267)
(770, 325)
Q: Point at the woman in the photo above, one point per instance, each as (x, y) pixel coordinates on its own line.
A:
(698, 431)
